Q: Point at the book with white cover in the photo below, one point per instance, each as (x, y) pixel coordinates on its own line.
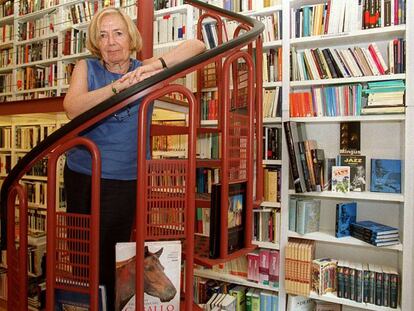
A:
(162, 271)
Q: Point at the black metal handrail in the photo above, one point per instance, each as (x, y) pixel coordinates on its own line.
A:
(76, 125)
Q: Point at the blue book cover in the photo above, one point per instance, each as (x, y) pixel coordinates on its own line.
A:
(386, 175)
(69, 300)
(373, 228)
(345, 216)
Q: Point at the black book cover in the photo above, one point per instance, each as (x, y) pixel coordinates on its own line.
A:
(235, 218)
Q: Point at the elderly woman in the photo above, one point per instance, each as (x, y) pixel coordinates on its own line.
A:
(112, 39)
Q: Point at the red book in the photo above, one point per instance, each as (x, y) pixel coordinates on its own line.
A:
(376, 59)
(328, 12)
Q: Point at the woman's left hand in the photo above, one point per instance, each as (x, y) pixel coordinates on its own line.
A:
(139, 74)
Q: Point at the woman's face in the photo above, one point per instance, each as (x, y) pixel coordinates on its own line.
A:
(114, 41)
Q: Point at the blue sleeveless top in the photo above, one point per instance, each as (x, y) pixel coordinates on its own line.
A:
(115, 136)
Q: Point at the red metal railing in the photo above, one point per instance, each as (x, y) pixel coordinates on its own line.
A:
(73, 240)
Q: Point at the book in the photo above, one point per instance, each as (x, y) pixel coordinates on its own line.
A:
(350, 137)
(340, 178)
(373, 228)
(162, 271)
(356, 164)
(327, 306)
(235, 218)
(386, 175)
(76, 301)
(308, 215)
(323, 275)
(345, 215)
(300, 303)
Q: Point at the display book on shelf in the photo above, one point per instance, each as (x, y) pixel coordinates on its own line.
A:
(390, 209)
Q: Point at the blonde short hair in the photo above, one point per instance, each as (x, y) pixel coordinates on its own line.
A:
(93, 31)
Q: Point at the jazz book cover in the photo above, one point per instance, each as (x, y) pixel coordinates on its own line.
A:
(340, 178)
(162, 271)
(386, 175)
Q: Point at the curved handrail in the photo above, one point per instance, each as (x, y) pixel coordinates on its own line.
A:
(122, 99)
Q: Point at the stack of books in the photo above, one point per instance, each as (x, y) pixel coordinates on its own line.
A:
(375, 233)
(384, 97)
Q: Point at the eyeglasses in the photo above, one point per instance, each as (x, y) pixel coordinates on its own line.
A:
(124, 114)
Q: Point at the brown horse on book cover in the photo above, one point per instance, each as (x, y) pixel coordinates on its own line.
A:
(156, 283)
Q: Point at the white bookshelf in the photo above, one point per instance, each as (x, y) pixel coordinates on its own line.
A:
(349, 303)
(210, 274)
(382, 136)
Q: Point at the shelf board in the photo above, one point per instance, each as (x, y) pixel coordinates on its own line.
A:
(365, 195)
(272, 162)
(167, 44)
(346, 302)
(42, 89)
(329, 237)
(45, 37)
(268, 245)
(7, 19)
(39, 62)
(349, 38)
(7, 69)
(272, 84)
(272, 120)
(34, 15)
(175, 9)
(209, 122)
(271, 204)
(203, 260)
(208, 163)
(364, 118)
(5, 45)
(75, 56)
(272, 44)
(229, 278)
(400, 76)
(38, 178)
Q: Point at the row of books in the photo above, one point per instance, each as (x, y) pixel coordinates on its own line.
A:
(273, 25)
(272, 65)
(331, 101)
(30, 6)
(272, 102)
(36, 77)
(375, 233)
(5, 137)
(209, 105)
(6, 82)
(67, 72)
(36, 51)
(164, 4)
(330, 63)
(299, 255)
(263, 267)
(336, 16)
(266, 225)
(208, 146)
(36, 192)
(74, 42)
(231, 5)
(304, 215)
(221, 301)
(5, 163)
(205, 178)
(6, 33)
(272, 184)
(37, 28)
(360, 282)
(6, 57)
(384, 97)
(169, 28)
(6, 8)
(36, 221)
(272, 143)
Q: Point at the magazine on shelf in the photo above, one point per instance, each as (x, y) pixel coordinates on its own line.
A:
(162, 271)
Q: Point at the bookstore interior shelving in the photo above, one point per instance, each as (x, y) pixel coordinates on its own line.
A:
(384, 136)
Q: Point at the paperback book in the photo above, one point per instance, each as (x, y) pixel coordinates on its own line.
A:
(162, 271)
(340, 178)
(372, 228)
(345, 215)
(235, 218)
(356, 165)
(386, 175)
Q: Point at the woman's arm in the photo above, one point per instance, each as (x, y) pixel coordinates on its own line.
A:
(151, 66)
(79, 99)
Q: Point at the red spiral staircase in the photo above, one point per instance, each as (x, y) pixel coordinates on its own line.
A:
(168, 205)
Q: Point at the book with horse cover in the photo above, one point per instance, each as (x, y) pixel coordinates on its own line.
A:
(162, 271)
